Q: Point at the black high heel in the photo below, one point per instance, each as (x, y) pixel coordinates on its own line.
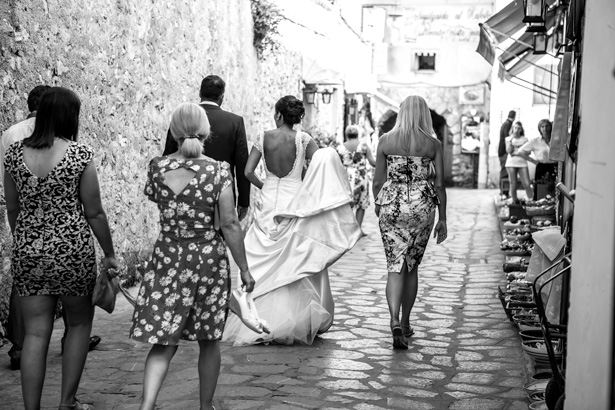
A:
(399, 341)
(407, 331)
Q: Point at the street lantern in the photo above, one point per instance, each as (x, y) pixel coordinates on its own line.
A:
(535, 11)
(309, 94)
(540, 43)
(326, 96)
(536, 28)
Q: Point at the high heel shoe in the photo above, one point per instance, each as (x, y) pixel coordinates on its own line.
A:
(407, 331)
(242, 305)
(399, 341)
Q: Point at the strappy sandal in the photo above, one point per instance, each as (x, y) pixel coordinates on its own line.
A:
(399, 341)
(75, 406)
(407, 331)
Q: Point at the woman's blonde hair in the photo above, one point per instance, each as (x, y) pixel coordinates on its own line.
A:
(190, 128)
(413, 119)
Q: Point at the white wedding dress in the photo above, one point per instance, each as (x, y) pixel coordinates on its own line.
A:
(302, 228)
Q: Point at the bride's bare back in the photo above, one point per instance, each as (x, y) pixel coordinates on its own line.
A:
(280, 151)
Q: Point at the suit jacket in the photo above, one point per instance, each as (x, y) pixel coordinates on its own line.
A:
(504, 131)
(228, 143)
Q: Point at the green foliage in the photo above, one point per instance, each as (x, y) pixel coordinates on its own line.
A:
(266, 17)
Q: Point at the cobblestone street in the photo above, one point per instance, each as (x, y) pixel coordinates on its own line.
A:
(465, 353)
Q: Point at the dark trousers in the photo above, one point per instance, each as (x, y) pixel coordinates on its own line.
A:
(503, 173)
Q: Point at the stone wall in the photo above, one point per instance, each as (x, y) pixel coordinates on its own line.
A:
(131, 62)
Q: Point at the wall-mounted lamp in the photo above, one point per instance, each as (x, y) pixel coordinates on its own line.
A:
(535, 11)
(309, 94)
(540, 43)
(326, 96)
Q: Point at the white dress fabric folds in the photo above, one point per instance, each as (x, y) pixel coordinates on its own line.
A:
(302, 228)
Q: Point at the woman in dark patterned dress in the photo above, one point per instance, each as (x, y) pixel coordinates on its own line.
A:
(354, 156)
(52, 201)
(186, 286)
(406, 200)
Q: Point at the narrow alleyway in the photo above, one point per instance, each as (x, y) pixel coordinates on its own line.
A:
(465, 353)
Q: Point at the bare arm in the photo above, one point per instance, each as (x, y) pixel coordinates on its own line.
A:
(380, 174)
(233, 235)
(311, 149)
(440, 230)
(253, 159)
(509, 146)
(370, 157)
(89, 194)
(525, 155)
(12, 200)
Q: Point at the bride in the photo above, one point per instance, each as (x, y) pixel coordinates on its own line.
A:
(302, 227)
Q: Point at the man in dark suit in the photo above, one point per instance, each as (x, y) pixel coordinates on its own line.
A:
(504, 132)
(227, 141)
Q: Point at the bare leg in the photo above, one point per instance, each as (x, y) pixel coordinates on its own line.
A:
(512, 176)
(156, 367)
(209, 370)
(79, 314)
(394, 293)
(410, 286)
(359, 215)
(524, 174)
(38, 323)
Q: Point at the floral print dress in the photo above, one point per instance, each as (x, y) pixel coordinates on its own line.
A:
(407, 210)
(186, 285)
(53, 249)
(355, 163)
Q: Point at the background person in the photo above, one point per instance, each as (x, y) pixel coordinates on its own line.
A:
(516, 165)
(53, 204)
(406, 202)
(502, 154)
(186, 285)
(546, 170)
(354, 156)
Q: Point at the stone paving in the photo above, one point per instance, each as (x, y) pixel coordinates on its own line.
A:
(465, 353)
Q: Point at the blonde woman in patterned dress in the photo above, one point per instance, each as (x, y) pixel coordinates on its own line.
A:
(354, 155)
(406, 202)
(185, 289)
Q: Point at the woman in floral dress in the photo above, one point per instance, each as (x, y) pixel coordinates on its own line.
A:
(354, 155)
(406, 201)
(186, 286)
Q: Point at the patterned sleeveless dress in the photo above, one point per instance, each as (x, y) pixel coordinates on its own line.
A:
(356, 166)
(53, 249)
(407, 210)
(185, 288)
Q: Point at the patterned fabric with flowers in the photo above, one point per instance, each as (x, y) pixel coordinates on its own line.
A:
(355, 163)
(53, 250)
(407, 210)
(186, 285)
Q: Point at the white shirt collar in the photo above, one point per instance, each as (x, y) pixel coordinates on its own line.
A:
(209, 103)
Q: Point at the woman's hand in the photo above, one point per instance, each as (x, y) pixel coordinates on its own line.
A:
(247, 280)
(111, 265)
(440, 231)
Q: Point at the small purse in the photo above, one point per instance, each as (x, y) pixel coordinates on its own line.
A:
(242, 305)
(105, 290)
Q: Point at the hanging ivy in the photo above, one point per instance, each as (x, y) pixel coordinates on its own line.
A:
(266, 17)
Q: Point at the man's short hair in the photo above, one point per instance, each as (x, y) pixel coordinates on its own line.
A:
(212, 87)
(34, 97)
(512, 114)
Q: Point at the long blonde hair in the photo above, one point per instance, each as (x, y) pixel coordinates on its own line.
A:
(413, 119)
(190, 128)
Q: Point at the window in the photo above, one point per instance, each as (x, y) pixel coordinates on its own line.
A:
(425, 61)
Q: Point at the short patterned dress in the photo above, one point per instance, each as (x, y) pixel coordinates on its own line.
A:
(356, 167)
(186, 284)
(407, 210)
(53, 249)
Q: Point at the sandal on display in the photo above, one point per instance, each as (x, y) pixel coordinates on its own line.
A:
(399, 341)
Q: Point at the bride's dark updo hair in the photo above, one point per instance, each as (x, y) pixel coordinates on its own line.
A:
(291, 109)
